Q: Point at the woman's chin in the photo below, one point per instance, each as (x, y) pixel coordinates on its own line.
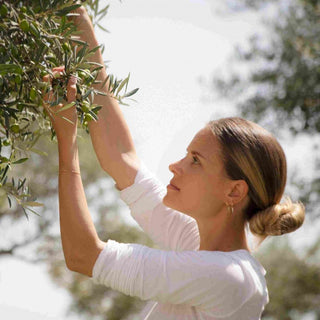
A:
(166, 201)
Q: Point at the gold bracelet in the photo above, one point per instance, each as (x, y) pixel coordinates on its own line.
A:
(68, 171)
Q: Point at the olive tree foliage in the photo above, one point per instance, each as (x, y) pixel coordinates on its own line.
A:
(35, 37)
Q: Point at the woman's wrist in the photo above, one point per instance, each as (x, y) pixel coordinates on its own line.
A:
(85, 26)
(69, 171)
(66, 136)
(67, 139)
(68, 155)
(87, 35)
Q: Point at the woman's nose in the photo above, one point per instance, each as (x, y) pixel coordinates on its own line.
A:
(175, 167)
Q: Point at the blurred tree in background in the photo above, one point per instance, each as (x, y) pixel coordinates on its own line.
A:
(276, 82)
(293, 280)
(285, 69)
(39, 240)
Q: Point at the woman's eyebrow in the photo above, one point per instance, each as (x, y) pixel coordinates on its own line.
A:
(197, 153)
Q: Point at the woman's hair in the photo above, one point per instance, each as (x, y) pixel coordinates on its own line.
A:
(253, 154)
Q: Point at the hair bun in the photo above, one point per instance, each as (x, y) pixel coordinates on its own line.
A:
(278, 219)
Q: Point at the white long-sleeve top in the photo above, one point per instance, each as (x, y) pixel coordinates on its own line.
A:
(181, 282)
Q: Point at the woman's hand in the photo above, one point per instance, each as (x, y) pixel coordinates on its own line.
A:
(63, 115)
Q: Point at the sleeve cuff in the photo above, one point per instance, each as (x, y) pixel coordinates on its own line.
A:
(117, 266)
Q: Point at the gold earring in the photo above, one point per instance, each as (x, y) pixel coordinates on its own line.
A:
(230, 208)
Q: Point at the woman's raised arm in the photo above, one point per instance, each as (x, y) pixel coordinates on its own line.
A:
(110, 135)
(80, 242)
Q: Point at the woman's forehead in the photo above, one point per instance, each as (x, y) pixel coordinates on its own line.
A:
(205, 143)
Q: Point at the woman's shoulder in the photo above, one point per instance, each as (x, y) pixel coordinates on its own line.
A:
(251, 274)
(238, 268)
(233, 261)
(242, 265)
(237, 276)
(247, 260)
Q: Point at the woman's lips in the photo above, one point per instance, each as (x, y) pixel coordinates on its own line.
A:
(171, 186)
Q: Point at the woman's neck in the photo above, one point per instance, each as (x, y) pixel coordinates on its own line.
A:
(223, 232)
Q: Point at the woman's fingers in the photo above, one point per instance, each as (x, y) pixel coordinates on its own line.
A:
(71, 86)
(56, 73)
(60, 68)
(49, 97)
(72, 89)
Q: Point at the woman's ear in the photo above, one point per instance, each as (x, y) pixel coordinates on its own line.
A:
(237, 192)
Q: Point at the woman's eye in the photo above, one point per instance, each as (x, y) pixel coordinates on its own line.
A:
(195, 159)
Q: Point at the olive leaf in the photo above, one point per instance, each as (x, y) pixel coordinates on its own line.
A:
(35, 37)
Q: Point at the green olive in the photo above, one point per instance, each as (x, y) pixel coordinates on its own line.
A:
(15, 128)
(3, 11)
(83, 74)
(20, 106)
(66, 47)
(17, 79)
(33, 94)
(88, 117)
(85, 107)
(24, 25)
(6, 142)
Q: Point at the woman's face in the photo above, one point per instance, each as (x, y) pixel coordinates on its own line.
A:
(200, 178)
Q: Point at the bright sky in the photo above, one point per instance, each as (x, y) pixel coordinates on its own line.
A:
(166, 45)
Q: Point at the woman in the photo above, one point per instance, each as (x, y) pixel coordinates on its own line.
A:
(233, 175)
